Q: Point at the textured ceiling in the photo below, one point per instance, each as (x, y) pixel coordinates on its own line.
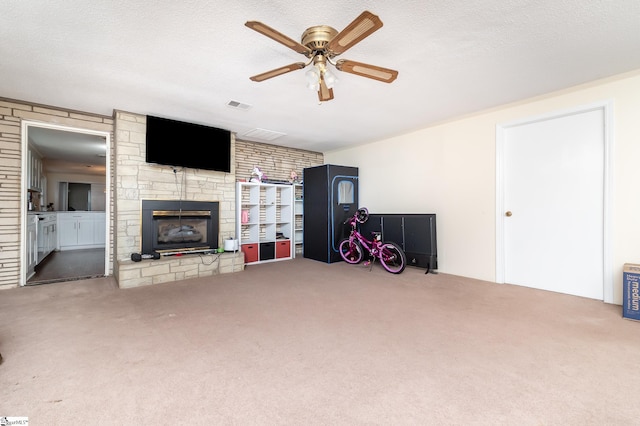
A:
(188, 59)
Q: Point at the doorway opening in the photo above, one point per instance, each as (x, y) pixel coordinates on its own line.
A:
(62, 242)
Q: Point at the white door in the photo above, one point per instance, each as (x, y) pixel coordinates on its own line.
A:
(553, 201)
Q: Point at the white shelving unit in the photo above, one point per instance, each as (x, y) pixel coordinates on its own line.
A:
(298, 223)
(265, 221)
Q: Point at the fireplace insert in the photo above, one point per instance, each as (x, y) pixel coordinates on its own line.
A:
(175, 225)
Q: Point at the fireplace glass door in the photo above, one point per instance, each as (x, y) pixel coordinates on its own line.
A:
(179, 230)
(168, 227)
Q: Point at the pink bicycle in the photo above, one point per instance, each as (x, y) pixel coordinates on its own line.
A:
(391, 256)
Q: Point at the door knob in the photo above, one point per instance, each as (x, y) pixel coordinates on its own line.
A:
(508, 214)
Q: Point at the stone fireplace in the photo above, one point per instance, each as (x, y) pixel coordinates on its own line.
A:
(186, 234)
(135, 180)
(138, 182)
(176, 226)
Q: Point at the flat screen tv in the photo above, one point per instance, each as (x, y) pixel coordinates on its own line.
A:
(176, 143)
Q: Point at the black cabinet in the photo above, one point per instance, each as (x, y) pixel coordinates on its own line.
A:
(330, 197)
(415, 233)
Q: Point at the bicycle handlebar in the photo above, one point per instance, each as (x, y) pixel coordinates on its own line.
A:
(355, 218)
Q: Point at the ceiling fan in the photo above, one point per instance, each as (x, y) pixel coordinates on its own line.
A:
(321, 44)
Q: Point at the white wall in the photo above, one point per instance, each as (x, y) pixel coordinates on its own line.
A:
(53, 182)
(449, 169)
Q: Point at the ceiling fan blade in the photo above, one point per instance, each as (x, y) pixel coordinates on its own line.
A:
(278, 36)
(365, 70)
(278, 71)
(324, 93)
(361, 27)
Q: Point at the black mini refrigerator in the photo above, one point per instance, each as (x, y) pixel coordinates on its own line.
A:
(330, 197)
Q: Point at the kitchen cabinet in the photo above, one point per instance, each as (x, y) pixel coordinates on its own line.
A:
(35, 172)
(32, 244)
(81, 230)
(99, 230)
(47, 234)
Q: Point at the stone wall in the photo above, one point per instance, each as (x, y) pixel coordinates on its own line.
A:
(137, 180)
(132, 180)
(12, 113)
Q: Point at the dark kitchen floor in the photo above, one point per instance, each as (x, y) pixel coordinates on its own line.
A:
(68, 266)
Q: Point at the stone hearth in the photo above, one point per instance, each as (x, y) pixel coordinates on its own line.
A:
(176, 268)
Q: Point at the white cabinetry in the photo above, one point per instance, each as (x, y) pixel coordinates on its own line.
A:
(32, 244)
(264, 221)
(99, 229)
(80, 230)
(47, 234)
(34, 171)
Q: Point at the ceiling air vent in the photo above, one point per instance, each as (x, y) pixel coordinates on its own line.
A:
(238, 105)
(263, 135)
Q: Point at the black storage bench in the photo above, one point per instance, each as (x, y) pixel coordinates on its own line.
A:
(415, 233)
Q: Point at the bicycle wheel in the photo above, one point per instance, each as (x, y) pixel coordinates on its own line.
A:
(351, 252)
(392, 258)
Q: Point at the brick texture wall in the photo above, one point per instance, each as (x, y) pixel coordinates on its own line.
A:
(132, 179)
(276, 162)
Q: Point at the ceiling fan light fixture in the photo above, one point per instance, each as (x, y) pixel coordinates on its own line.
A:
(329, 78)
(313, 78)
(321, 44)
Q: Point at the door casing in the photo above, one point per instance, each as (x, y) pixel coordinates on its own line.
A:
(24, 187)
(607, 109)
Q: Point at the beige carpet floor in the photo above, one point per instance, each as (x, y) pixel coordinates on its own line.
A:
(306, 343)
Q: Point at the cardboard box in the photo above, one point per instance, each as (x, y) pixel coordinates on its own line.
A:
(631, 291)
